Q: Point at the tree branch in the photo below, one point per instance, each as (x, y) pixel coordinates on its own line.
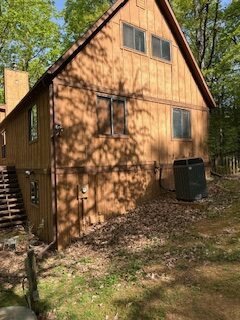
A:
(214, 36)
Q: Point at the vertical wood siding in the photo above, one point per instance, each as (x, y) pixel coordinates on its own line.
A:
(152, 88)
(34, 156)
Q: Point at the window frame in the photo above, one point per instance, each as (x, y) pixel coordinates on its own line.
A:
(30, 139)
(36, 192)
(113, 98)
(190, 124)
(161, 39)
(134, 28)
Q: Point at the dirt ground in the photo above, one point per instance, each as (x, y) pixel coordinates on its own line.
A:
(138, 245)
(152, 222)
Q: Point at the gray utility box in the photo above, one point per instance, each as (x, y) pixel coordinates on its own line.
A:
(190, 180)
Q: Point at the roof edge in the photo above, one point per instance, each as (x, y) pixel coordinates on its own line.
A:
(168, 13)
(57, 66)
(85, 38)
(175, 27)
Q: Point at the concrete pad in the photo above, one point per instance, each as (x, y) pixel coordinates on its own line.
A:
(17, 313)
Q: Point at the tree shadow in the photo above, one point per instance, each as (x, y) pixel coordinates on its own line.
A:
(120, 171)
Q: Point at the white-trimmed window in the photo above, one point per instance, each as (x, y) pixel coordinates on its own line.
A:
(161, 48)
(181, 123)
(134, 38)
(111, 115)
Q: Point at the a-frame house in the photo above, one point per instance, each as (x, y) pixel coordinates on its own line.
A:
(99, 132)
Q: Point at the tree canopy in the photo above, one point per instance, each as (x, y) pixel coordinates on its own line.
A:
(31, 39)
(213, 32)
(29, 36)
(79, 15)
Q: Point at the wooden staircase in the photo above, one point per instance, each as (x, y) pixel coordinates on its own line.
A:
(12, 210)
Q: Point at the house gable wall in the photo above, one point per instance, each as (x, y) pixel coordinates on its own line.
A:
(152, 87)
(119, 171)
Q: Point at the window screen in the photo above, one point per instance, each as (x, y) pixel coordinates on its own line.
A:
(118, 117)
(181, 124)
(161, 48)
(156, 47)
(133, 38)
(103, 114)
(139, 40)
(111, 116)
(34, 192)
(128, 36)
(166, 53)
(33, 123)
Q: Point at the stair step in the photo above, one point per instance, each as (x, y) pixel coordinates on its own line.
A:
(7, 168)
(11, 200)
(11, 206)
(11, 190)
(9, 185)
(13, 217)
(9, 178)
(11, 212)
(8, 175)
(3, 195)
(11, 223)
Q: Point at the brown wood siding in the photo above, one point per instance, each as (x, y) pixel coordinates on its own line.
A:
(34, 156)
(152, 88)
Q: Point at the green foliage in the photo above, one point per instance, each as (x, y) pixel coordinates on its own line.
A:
(1, 94)
(29, 36)
(213, 32)
(79, 15)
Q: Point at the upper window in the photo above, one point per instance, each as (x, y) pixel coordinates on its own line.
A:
(134, 38)
(33, 123)
(34, 192)
(4, 144)
(111, 114)
(181, 124)
(161, 48)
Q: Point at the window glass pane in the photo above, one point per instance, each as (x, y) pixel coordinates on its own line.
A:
(33, 125)
(166, 51)
(34, 192)
(118, 117)
(181, 124)
(177, 130)
(156, 47)
(128, 36)
(104, 115)
(139, 40)
(185, 125)
(4, 143)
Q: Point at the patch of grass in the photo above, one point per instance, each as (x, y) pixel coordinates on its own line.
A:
(85, 260)
(193, 274)
(11, 297)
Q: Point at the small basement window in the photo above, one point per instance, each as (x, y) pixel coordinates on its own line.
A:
(111, 115)
(161, 48)
(33, 123)
(34, 192)
(181, 124)
(134, 38)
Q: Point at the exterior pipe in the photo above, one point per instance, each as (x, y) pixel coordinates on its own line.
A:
(53, 165)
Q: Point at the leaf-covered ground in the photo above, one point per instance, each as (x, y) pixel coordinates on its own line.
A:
(164, 260)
